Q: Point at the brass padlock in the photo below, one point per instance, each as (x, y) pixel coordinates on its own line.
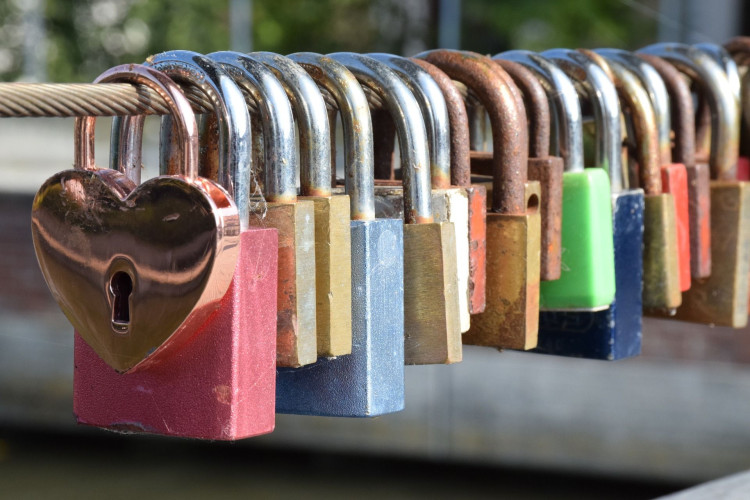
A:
(431, 324)
(476, 195)
(449, 204)
(722, 298)
(511, 316)
(661, 274)
(683, 151)
(332, 234)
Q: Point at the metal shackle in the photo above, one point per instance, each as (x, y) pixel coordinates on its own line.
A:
(458, 119)
(269, 95)
(508, 118)
(309, 109)
(725, 120)
(356, 124)
(193, 69)
(410, 129)
(566, 108)
(434, 110)
(601, 92)
(187, 126)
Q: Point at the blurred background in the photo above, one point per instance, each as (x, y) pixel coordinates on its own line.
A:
(509, 425)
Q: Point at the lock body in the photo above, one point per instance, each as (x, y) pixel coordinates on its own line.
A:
(431, 324)
(477, 202)
(333, 281)
(587, 279)
(699, 210)
(615, 332)
(370, 381)
(511, 316)
(549, 172)
(218, 386)
(674, 181)
(661, 277)
(296, 342)
(721, 299)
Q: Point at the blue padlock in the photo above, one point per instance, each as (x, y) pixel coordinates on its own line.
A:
(370, 381)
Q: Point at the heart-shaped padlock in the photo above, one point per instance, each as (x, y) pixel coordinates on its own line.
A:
(136, 269)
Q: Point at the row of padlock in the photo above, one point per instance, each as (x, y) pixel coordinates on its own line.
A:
(209, 298)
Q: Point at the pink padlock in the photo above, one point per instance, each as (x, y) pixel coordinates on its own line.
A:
(219, 384)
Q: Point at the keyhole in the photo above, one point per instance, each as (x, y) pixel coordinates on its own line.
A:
(121, 286)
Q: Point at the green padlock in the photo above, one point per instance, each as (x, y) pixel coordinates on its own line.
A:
(587, 281)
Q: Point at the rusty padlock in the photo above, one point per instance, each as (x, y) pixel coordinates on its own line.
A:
(461, 177)
(217, 387)
(431, 325)
(546, 169)
(683, 151)
(449, 204)
(510, 319)
(674, 176)
(332, 234)
(370, 381)
(720, 299)
(614, 332)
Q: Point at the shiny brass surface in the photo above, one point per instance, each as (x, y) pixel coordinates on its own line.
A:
(661, 278)
(721, 299)
(296, 343)
(511, 319)
(431, 322)
(175, 239)
(333, 279)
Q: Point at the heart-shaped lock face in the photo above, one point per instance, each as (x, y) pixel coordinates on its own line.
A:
(135, 269)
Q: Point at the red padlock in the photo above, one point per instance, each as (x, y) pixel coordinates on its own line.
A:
(220, 384)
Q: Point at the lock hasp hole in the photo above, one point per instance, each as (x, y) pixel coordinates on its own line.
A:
(532, 204)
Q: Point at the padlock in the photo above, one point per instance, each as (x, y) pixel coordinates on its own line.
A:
(511, 315)
(587, 281)
(216, 386)
(683, 152)
(720, 299)
(370, 381)
(614, 332)
(674, 177)
(332, 235)
(546, 169)
(431, 324)
(449, 204)
(294, 220)
(461, 177)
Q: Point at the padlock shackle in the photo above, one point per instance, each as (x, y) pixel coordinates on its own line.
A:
(537, 106)
(507, 116)
(356, 124)
(601, 93)
(458, 119)
(410, 128)
(657, 92)
(567, 126)
(259, 82)
(643, 117)
(310, 111)
(196, 70)
(434, 110)
(724, 59)
(725, 121)
(187, 126)
(681, 109)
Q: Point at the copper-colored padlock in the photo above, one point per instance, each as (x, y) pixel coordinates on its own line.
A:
(511, 317)
(683, 151)
(722, 298)
(431, 324)
(332, 234)
(461, 177)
